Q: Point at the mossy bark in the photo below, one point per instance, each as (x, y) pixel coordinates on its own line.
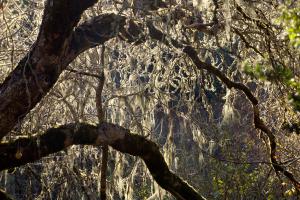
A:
(56, 46)
(26, 150)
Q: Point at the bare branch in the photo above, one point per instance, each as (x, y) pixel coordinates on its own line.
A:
(258, 122)
(38, 71)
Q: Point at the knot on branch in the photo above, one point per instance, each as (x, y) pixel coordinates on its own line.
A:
(109, 133)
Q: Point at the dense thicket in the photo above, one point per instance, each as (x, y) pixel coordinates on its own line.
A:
(196, 98)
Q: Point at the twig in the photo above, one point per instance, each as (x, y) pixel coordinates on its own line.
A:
(83, 73)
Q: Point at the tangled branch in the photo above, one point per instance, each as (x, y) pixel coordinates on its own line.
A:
(258, 122)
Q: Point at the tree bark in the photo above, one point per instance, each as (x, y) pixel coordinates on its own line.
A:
(56, 46)
(26, 150)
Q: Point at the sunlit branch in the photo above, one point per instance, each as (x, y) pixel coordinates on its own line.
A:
(52, 52)
(258, 122)
(248, 45)
(83, 73)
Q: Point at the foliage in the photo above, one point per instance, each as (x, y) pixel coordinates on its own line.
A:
(291, 20)
(275, 75)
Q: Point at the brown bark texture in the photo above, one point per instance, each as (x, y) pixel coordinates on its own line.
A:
(57, 45)
(26, 150)
(59, 42)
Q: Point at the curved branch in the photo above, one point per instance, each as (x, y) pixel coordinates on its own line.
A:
(39, 70)
(26, 150)
(258, 122)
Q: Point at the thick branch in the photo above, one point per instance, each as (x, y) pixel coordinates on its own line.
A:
(38, 71)
(93, 32)
(26, 150)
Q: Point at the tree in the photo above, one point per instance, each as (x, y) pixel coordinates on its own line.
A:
(61, 39)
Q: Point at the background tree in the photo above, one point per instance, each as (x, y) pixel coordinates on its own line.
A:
(187, 88)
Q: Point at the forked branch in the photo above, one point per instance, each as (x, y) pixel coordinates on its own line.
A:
(258, 122)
